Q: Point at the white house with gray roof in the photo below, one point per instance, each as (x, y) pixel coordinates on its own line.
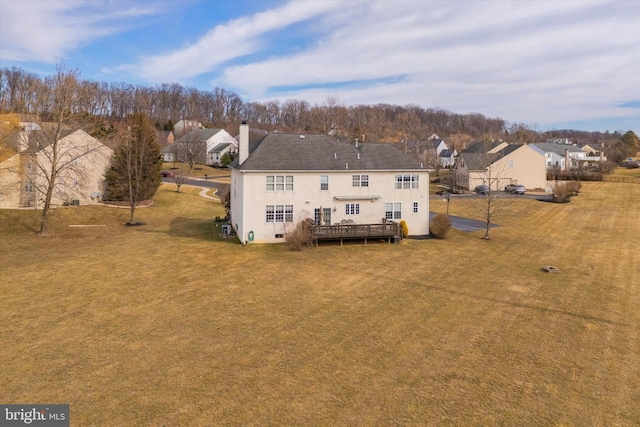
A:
(209, 145)
(286, 178)
(560, 155)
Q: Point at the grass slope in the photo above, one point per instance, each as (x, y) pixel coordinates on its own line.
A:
(168, 324)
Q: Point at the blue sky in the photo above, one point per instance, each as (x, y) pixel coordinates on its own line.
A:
(549, 64)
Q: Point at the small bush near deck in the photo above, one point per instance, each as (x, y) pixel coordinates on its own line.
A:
(300, 236)
(440, 226)
(405, 228)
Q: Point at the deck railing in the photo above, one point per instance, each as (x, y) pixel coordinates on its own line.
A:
(387, 229)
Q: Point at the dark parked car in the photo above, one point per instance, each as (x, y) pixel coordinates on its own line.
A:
(482, 189)
(515, 189)
(166, 174)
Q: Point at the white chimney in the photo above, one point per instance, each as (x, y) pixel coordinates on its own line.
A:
(243, 149)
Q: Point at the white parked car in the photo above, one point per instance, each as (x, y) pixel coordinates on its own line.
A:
(515, 189)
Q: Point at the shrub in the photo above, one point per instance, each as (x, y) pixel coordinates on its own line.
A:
(573, 187)
(561, 194)
(405, 228)
(440, 226)
(300, 236)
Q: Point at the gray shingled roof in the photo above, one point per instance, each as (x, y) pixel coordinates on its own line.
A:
(551, 147)
(279, 151)
(198, 135)
(218, 148)
(478, 161)
(482, 147)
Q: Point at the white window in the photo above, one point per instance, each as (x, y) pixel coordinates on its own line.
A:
(404, 182)
(28, 188)
(352, 209)
(279, 182)
(415, 207)
(324, 182)
(279, 213)
(360, 180)
(393, 210)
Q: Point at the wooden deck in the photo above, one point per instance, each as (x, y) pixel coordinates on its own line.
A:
(388, 230)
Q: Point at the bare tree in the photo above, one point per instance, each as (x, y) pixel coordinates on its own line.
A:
(495, 177)
(56, 161)
(190, 153)
(180, 177)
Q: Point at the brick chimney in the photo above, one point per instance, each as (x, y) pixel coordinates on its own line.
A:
(243, 149)
(567, 160)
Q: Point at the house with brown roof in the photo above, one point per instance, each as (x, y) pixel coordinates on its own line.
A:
(285, 178)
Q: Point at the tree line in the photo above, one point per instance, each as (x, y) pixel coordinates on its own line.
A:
(23, 92)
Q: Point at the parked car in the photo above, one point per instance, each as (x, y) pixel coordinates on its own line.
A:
(482, 189)
(166, 174)
(515, 189)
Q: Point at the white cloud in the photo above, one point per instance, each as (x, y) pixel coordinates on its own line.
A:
(46, 31)
(234, 39)
(524, 61)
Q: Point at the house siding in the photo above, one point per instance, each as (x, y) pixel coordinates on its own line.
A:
(80, 181)
(307, 196)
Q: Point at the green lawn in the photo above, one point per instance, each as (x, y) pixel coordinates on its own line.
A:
(169, 324)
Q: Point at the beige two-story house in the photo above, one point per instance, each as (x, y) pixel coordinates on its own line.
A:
(499, 165)
(286, 178)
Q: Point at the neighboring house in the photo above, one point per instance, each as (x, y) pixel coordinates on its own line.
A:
(183, 127)
(164, 137)
(593, 155)
(447, 158)
(286, 178)
(216, 153)
(427, 152)
(561, 141)
(563, 156)
(513, 163)
(208, 146)
(81, 181)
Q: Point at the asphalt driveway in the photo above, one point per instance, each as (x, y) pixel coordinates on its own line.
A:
(464, 224)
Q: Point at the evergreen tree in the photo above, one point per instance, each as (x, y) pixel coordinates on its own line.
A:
(134, 175)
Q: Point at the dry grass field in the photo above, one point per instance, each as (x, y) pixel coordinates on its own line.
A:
(168, 324)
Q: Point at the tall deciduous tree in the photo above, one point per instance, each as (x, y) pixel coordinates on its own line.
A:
(53, 160)
(134, 175)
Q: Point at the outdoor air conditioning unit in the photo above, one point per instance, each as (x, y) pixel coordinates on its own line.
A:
(226, 230)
